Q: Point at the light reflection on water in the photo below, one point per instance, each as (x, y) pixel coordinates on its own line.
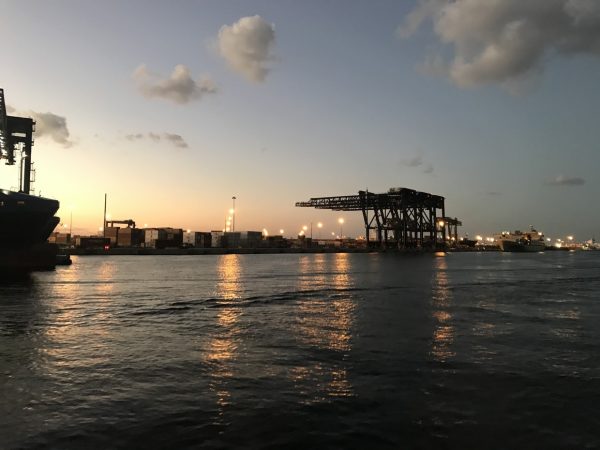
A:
(443, 334)
(73, 340)
(223, 347)
(325, 321)
(323, 350)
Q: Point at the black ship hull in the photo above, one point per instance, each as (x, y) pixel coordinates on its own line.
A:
(26, 222)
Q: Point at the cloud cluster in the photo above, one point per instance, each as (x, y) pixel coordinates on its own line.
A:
(247, 45)
(52, 126)
(562, 180)
(173, 139)
(178, 88)
(505, 41)
(417, 161)
(47, 125)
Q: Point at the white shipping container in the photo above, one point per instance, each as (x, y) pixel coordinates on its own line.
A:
(190, 238)
(216, 237)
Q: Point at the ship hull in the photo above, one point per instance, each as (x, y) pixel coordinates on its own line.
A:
(521, 247)
(26, 222)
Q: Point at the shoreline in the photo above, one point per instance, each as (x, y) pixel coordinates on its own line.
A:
(129, 251)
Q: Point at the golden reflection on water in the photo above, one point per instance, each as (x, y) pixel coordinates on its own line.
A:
(77, 322)
(325, 321)
(223, 347)
(443, 333)
(106, 273)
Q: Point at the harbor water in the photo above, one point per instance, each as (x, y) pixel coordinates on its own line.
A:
(466, 350)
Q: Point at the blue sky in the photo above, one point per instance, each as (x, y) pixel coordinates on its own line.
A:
(346, 104)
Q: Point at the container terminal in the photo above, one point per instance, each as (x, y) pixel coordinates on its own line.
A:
(400, 219)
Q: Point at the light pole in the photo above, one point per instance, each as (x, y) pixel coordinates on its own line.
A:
(104, 219)
(341, 221)
(71, 226)
(319, 226)
(233, 214)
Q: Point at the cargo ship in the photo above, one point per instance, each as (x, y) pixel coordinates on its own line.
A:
(517, 241)
(26, 221)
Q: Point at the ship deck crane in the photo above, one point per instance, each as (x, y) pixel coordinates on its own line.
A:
(16, 134)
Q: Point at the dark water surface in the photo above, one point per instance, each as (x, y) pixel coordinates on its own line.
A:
(304, 351)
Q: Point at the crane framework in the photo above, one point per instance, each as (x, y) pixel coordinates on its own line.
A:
(402, 218)
(16, 134)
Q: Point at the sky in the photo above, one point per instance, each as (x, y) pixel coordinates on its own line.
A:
(173, 108)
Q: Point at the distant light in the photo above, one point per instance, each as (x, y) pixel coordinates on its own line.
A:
(265, 232)
(341, 220)
(441, 223)
(332, 233)
(281, 231)
(145, 225)
(479, 238)
(100, 228)
(539, 233)
(548, 239)
(570, 238)
(320, 225)
(231, 211)
(189, 231)
(305, 228)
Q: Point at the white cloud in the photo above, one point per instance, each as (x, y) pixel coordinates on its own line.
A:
(174, 139)
(247, 45)
(47, 125)
(52, 126)
(417, 161)
(179, 87)
(153, 136)
(506, 41)
(134, 137)
(562, 180)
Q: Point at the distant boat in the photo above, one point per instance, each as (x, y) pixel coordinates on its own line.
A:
(63, 260)
(517, 241)
(590, 245)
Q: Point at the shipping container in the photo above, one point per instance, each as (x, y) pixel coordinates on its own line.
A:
(130, 237)
(92, 242)
(216, 239)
